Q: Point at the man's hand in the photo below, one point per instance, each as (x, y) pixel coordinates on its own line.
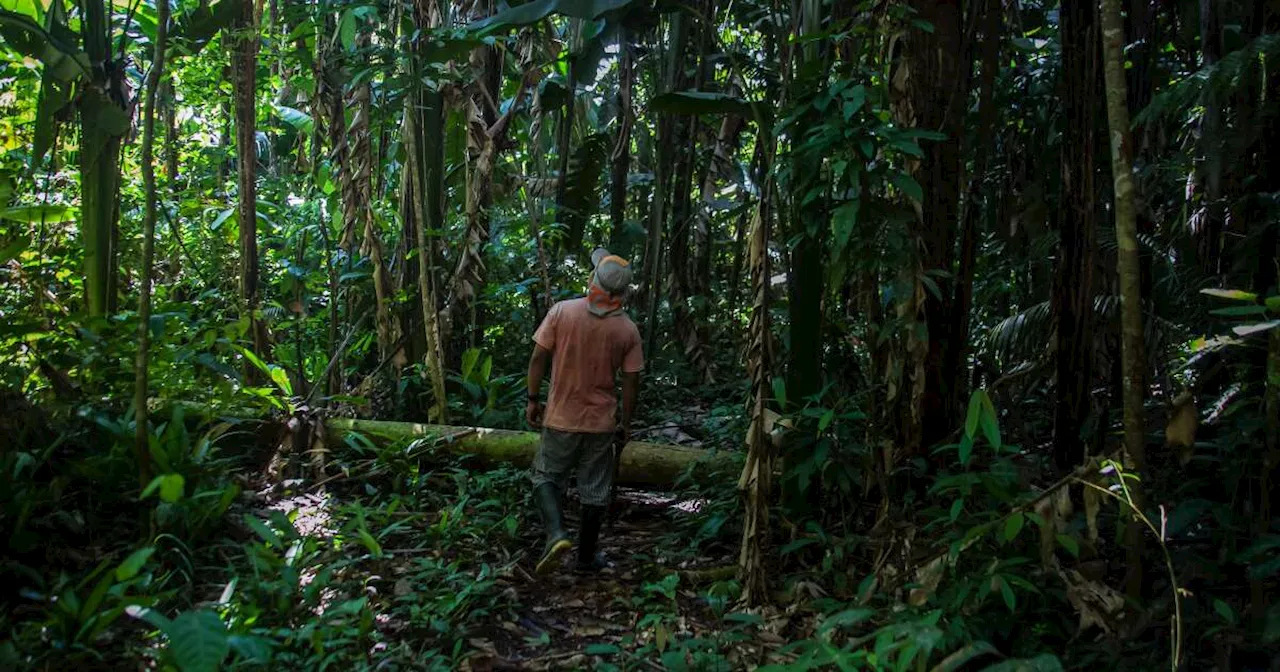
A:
(533, 414)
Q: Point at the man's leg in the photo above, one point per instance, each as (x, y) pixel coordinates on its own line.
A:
(595, 480)
(551, 465)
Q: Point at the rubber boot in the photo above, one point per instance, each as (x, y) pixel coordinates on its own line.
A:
(547, 498)
(588, 559)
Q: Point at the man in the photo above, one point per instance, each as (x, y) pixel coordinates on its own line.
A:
(588, 341)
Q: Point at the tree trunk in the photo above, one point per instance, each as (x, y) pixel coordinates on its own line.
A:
(425, 157)
(1133, 346)
(955, 360)
(142, 436)
(104, 119)
(756, 482)
(1211, 146)
(244, 78)
(621, 158)
(1072, 303)
(643, 463)
(937, 95)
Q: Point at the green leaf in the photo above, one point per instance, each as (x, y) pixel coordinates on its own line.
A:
(1233, 294)
(375, 549)
(533, 12)
(198, 641)
(268, 535)
(133, 564)
(171, 487)
(957, 507)
(966, 448)
(1239, 311)
(602, 649)
(281, 378)
(193, 30)
(1225, 611)
(825, 420)
(347, 30)
(700, 102)
(843, 221)
(1006, 591)
(990, 425)
(34, 214)
(61, 58)
(1273, 304)
(13, 249)
(1013, 525)
(780, 392)
(975, 410)
(907, 185)
(298, 119)
(1070, 544)
(469, 359)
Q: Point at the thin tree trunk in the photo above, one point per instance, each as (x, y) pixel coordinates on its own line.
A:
(245, 62)
(1211, 145)
(424, 138)
(142, 435)
(621, 157)
(1133, 347)
(1072, 303)
(963, 304)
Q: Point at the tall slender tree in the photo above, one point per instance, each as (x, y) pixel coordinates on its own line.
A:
(155, 79)
(1133, 353)
(244, 66)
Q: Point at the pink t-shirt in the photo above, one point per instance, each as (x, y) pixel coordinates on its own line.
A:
(586, 353)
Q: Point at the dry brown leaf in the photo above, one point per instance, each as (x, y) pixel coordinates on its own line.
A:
(1096, 603)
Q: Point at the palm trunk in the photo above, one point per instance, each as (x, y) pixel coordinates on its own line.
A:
(142, 434)
(1134, 349)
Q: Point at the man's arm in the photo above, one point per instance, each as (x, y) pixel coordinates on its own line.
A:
(537, 370)
(630, 390)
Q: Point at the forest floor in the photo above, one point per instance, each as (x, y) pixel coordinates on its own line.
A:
(660, 605)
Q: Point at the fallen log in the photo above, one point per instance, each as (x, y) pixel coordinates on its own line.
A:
(643, 463)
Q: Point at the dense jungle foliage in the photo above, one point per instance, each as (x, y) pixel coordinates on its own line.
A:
(960, 319)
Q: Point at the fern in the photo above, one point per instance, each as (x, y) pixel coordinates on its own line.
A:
(1222, 77)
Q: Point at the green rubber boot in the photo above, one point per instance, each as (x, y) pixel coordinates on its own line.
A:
(589, 560)
(547, 499)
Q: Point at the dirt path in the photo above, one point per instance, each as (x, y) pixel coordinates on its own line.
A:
(628, 615)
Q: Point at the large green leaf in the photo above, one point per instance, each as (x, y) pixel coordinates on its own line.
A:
(700, 102)
(133, 564)
(533, 12)
(60, 56)
(30, 214)
(581, 197)
(198, 641)
(195, 29)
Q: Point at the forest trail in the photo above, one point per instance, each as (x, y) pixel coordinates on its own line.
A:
(631, 614)
(641, 603)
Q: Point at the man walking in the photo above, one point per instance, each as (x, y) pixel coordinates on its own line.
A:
(588, 341)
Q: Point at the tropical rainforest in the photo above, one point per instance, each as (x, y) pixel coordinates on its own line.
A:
(961, 320)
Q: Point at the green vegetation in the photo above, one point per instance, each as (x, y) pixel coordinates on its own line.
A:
(963, 317)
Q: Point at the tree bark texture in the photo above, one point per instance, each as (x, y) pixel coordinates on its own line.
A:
(1072, 301)
(1133, 353)
(244, 76)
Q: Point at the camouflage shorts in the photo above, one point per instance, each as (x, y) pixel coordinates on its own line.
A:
(592, 455)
